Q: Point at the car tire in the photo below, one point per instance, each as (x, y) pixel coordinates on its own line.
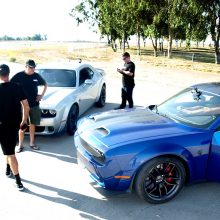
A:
(102, 97)
(160, 180)
(72, 120)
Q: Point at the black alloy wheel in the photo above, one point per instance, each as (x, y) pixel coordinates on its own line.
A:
(72, 120)
(160, 180)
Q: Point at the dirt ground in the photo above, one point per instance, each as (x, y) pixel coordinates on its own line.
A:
(57, 189)
(156, 78)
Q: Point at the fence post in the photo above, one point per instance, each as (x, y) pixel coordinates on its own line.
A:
(193, 56)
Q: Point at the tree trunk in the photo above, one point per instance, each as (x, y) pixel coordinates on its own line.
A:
(170, 40)
(109, 41)
(154, 45)
(127, 44)
(217, 52)
(120, 43)
(161, 45)
(124, 41)
(139, 43)
(114, 45)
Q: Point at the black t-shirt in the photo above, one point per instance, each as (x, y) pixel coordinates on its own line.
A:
(128, 81)
(30, 85)
(11, 95)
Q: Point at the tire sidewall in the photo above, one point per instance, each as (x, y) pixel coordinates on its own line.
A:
(141, 175)
(70, 131)
(100, 102)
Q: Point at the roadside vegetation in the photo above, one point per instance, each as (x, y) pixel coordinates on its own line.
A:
(161, 21)
(199, 59)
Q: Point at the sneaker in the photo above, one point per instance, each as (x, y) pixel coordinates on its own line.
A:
(34, 147)
(119, 107)
(19, 149)
(19, 186)
(8, 172)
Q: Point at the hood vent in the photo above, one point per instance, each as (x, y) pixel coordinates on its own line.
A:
(102, 131)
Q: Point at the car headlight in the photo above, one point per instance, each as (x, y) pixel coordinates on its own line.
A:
(48, 113)
(52, 112)
(44, 111)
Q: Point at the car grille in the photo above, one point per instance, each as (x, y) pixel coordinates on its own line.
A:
(96, 154)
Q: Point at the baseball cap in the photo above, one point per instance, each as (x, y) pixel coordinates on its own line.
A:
(4, 70)
(31, 63)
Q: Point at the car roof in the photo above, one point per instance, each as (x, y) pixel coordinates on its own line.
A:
(213, 87)
(62, 65)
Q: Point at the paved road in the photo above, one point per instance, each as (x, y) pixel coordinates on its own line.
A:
(56, 188)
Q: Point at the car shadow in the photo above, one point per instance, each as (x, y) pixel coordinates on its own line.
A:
(107, 107)
(130, 205)
(59, 146)
(83, 203)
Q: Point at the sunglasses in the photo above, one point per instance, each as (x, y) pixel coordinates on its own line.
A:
(31, 67)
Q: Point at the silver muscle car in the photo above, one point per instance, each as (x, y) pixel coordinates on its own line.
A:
(73, 88)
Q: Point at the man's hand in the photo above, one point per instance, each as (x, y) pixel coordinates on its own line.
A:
(39, 98)
(119, 70)
(23, 126)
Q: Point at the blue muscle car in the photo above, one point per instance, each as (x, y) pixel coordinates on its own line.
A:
(155, 150)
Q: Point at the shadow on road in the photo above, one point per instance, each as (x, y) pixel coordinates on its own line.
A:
(80, 202)
(195, 196)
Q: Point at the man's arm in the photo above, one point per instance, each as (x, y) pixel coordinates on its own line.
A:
(126, 72)
(39, 97)
(129, 71)
(25, 108)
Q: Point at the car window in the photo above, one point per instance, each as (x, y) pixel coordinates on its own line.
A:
(194, 107)
(85, 74)
(58, 77)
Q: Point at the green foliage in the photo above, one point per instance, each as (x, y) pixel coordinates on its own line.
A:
(170, 19)
(12, 59)
(35, 37)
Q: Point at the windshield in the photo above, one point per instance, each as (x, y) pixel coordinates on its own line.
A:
(58, 77)
(192, 106)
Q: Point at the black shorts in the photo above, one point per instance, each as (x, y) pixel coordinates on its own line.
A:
(8, 139)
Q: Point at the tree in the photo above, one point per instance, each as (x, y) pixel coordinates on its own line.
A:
(212, 13)
(209, 11)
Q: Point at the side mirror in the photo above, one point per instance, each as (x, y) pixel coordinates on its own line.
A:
(88, 82)
(151, 107)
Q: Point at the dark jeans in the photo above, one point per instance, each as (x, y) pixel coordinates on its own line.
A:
(126, 95)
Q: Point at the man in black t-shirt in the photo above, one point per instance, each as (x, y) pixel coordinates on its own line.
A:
(12, 97)
(128, 73)
(30, 80)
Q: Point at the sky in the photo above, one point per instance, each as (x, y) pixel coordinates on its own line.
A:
(20, 18)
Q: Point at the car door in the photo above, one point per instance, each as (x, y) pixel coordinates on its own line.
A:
(86, 89)
(213, 172)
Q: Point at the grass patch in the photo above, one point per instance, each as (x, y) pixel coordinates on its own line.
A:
(98, 52)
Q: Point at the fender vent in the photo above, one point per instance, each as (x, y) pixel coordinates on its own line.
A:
(92, 118)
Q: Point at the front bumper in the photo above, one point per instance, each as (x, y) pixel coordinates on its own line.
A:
(49, 126)
(103, 174)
